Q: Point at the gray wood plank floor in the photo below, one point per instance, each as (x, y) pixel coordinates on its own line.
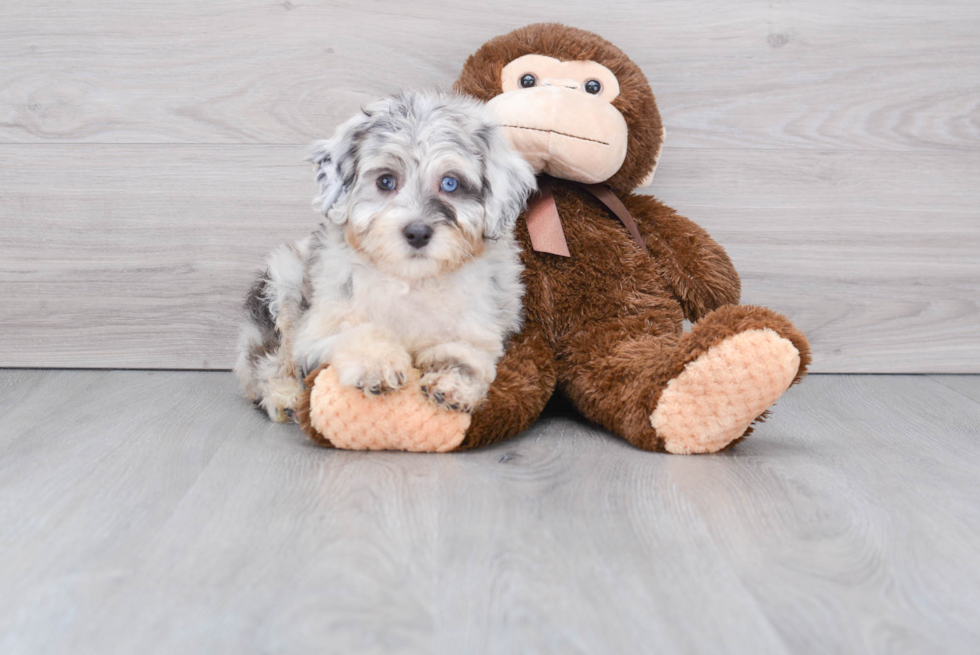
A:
(156, 512)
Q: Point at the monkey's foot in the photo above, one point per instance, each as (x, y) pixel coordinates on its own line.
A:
(717, 396)
(343, 417)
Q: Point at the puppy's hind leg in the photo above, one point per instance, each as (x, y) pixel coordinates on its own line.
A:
(265, 364)
(281, 397)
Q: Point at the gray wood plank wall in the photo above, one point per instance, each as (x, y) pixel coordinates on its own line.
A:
(151, 153)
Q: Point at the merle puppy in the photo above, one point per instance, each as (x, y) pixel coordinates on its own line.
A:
(416, 264)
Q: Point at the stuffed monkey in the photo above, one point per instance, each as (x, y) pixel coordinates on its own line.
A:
(610, 277)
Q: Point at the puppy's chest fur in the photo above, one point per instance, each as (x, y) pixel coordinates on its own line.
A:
(478, 302)
(420, 313)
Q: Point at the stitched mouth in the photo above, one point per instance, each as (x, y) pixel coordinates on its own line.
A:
(571, 136)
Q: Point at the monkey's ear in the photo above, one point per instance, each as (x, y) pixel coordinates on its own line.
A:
(335, 169)
(510, 180)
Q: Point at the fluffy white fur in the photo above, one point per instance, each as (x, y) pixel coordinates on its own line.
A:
(358, 296)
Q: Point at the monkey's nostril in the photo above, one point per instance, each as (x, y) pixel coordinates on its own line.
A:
(417, 234)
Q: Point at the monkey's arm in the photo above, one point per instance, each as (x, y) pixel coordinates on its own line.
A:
(692, 264)
(525, 381)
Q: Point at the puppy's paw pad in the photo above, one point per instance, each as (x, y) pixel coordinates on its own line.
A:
(453, 390)
(280, 411)
(282, 415)
(282, 399)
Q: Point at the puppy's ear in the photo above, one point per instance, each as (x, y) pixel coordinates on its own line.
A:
(510, 180)
(335, 164)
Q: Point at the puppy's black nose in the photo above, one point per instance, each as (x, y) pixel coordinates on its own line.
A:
(417, 234)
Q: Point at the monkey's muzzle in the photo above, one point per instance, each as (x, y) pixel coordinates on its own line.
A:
(563, 132)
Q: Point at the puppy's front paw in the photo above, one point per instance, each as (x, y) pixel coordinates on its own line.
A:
(454, 389)
(383, 370)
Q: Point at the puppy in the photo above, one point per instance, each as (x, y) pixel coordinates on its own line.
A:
(415, 264)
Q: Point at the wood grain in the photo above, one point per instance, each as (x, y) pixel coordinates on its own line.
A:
(877, 499)
(830, 74)
(966, 385)
(138, 256)
(157, 512)
(150, 154)
(134, 256)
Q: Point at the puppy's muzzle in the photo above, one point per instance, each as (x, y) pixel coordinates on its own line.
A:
(417, 234)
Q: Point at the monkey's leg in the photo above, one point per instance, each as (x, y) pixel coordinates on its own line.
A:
(696, 393)
(525, 381)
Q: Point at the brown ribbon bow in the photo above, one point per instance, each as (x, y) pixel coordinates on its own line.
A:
(544, 223)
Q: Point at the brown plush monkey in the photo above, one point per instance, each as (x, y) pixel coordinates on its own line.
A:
(604, 323)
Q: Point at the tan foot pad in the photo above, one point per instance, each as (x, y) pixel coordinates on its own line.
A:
(717, 396)
(403, 420)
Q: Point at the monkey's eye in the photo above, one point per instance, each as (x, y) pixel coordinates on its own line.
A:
(593, 87)
(449, 184)
(528, 80)
(386, 182)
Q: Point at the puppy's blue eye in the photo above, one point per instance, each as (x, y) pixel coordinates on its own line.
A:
(449, 184)
(386, 182)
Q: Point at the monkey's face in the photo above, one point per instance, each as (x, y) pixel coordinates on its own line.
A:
(559, 115)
